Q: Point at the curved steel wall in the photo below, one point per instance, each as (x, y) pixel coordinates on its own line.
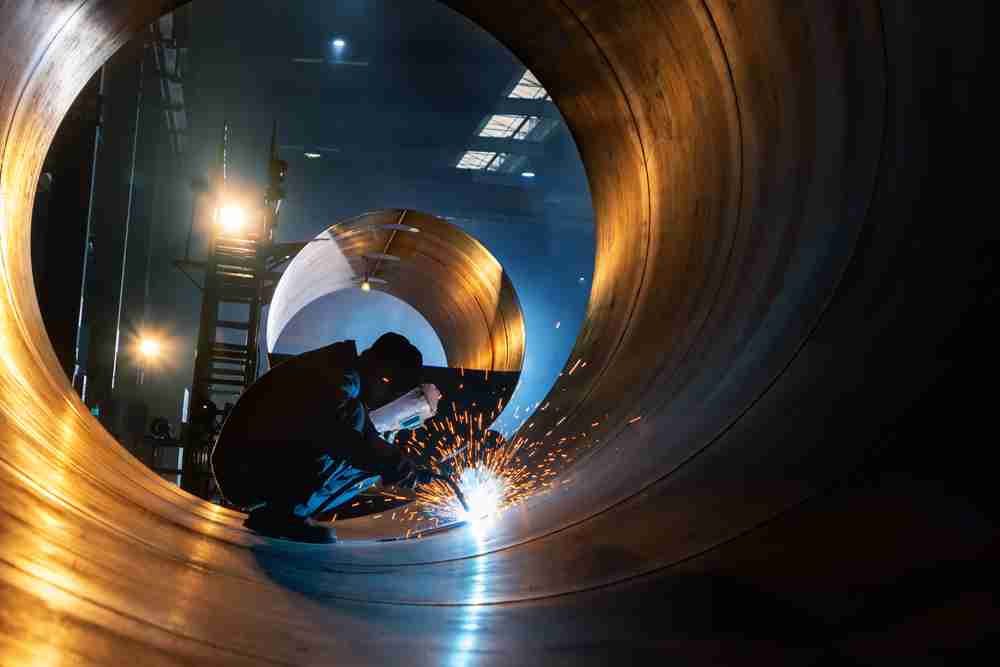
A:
(735, 153)
(448, 276)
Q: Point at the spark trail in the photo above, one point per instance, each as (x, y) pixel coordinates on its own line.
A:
(493, 472)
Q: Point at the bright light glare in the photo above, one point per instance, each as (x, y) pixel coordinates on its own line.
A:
(339, 43)
(312, 156)
(528, 174)
(366, 286)
(232, 218)
(149, 348)
(484, 492)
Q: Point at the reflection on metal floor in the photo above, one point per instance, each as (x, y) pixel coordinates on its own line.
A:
(762, 188)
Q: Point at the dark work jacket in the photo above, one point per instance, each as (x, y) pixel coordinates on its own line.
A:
(301, 436)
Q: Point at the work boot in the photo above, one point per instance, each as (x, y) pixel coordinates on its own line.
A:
(288, 526)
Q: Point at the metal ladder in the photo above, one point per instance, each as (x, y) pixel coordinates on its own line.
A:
(238, 275)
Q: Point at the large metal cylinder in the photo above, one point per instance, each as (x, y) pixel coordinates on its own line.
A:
(444, 273)
(736, 358)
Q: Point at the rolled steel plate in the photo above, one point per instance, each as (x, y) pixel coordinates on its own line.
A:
(744, 349)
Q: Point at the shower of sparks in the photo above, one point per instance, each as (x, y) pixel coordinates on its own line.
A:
(484, 494)
(494, 473)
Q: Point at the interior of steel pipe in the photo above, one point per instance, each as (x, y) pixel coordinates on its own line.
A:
(444, 273)
(742, 355)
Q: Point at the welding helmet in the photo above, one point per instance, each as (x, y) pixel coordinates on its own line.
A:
(400, 358)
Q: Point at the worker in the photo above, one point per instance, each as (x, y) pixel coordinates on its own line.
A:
(299, 442)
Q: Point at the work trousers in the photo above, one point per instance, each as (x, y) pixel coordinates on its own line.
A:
(294, 478)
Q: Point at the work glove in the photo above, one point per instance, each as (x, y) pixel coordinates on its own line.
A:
(411, 474)
(447, 468)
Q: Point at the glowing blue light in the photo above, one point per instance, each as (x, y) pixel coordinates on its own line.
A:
(339, 43)
(528, 174)
(484, 492)
(465, 654)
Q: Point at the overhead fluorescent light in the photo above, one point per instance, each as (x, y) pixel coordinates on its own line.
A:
(528, 174)
(475, 159)
(312, 156)
(528, 88)
(509, 126)
(502, 126)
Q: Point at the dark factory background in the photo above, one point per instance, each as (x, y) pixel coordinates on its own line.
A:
(371, 111)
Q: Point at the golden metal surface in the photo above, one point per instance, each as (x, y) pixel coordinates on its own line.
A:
(444, 273)
(734, 152)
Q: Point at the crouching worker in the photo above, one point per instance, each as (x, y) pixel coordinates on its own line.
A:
(300, 442)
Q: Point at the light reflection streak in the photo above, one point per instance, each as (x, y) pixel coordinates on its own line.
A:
(468, 639)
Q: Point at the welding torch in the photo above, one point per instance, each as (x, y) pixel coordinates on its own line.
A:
(427, 473)
(447, 479)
